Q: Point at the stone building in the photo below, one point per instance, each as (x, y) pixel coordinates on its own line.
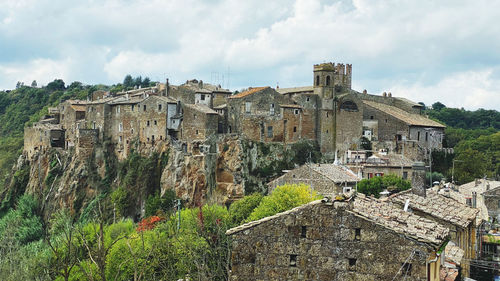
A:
(459, 218)
(358, 239)
(326, 179)
(475, 194)
(392, 128)
(199, 122)
(72, 118)
(262, 114)
(41, 136)
(380, 165)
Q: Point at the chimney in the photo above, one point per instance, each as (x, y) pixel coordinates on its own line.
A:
(166, 88)
(477, 182)
(384, 94)
(418, 179)
(365, 91)
(474, 199)
(389, 94)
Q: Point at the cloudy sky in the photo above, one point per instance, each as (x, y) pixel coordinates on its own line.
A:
(428, 51)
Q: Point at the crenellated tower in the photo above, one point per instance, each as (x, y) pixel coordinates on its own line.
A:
(331, 79)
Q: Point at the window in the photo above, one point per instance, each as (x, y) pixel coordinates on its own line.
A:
(133, 106)
(159, 107)
(357, 234)
(328, 80)
(156, 123)
(385, 120)
(120, 139)
(352, 264)
(270, 131)
(248, 106)
(498, 203)
(327, 114)
(120, 127)
(144, 107)
(405, 175)
(118, 109)
(398, 137)
(303, 231)
(370, 175)
(371, 117)
(153, 138)
(271, 109)
(294, 129)
(426, 136)
(197, 131)
(418, 136)
(161, 137)
(406, 268)
(93, 125)
(296, 111)
(202, 97)
(317, 80)
(349, 106)
(293, 260)
(194, 116)
(147, 123)
(307, 99)
(379, 174)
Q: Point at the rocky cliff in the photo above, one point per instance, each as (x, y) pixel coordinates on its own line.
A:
(222, 172)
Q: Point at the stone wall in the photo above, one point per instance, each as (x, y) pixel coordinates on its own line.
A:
(323, 242)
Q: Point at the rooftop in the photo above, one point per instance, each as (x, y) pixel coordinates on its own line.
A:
(248, 92)
(393, 217)
(393, 160)
(438, 206)
(335, 172)
(409, 118)
(380, 212)
(78, 107)
(295, 90)
(201, 108)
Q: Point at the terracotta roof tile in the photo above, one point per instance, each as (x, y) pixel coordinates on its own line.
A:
(248, 92)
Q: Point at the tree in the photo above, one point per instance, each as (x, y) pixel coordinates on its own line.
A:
(34, 84)
(376, 185)
(56, 85)
(470, 164)
(283, 198)
(145, 82)
(63, 243)
(128, 81)
(438, 106)
(241, 209)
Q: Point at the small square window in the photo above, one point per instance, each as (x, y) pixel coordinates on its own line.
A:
(159, 107)
(303, 232)
(352, 262)
(294, 129)
(202, 97)
(357, 234)
(307, 99)
(293, 260)
(156, 123)
(296, 111)
(147, 123)
(371, 117)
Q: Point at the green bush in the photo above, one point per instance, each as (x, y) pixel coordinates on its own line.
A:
(376, 185)
(283, 198)
(241, 209)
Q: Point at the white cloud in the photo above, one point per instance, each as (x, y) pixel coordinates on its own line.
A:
(392, 44)
(471, 89)
(41, 70)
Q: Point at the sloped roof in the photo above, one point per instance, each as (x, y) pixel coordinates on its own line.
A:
(393, 217)
(248, 92)
(390, 160)
(78, 107)
(201, 108)
(377, 211)
(125, 100)
(408, 118)
(284, 91)
(335, 172)
(438, 206)
(104, 100)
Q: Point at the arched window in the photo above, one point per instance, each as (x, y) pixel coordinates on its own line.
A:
(317, 80)
(328, 80)
(349, 106)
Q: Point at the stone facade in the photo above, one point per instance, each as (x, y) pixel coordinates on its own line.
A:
(326, 179)
(335, 241)
(262, 114)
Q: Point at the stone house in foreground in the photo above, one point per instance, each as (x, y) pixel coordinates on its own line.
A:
(358, 239)
(326, 179)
